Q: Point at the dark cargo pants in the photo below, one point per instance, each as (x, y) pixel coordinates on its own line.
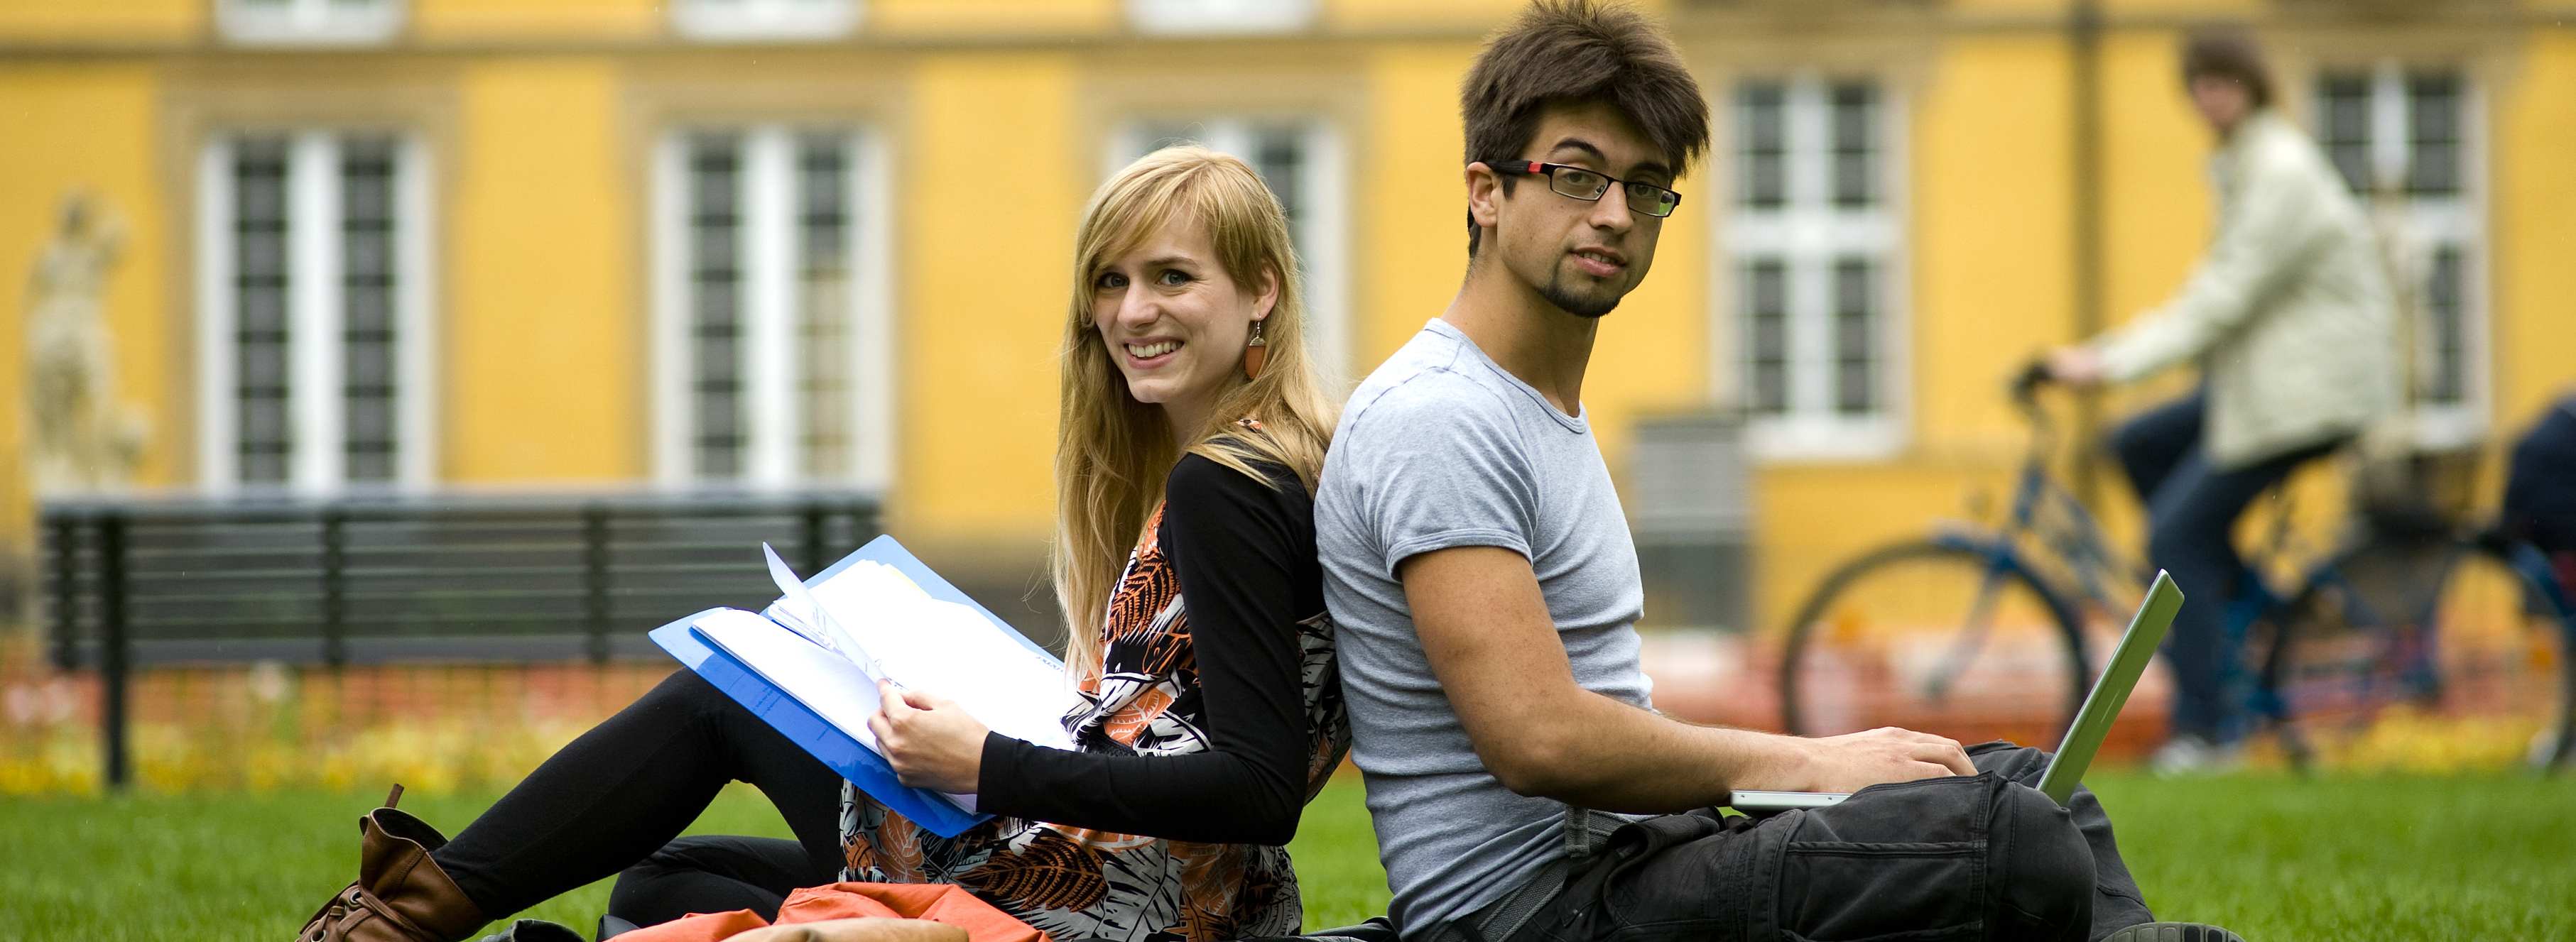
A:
(1936, 859)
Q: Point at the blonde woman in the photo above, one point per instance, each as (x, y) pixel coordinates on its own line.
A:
(1185, 551)
(1192, 428)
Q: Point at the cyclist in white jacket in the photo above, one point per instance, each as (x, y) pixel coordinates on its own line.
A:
(2290, 319)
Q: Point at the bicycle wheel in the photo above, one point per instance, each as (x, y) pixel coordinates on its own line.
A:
(1933, 637)
(2505, 668)
(2425, 655)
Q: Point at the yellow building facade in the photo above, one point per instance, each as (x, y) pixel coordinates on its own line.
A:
(524, 230)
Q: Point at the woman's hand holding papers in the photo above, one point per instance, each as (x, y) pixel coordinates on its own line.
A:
(931, 741)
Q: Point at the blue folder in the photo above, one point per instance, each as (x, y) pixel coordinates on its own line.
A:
(837, 750)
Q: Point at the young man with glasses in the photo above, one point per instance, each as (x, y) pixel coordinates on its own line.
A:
(1481, 575)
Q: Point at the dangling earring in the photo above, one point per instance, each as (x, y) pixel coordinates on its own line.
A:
(1255, 354)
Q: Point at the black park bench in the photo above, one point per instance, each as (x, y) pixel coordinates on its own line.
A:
(453, 578)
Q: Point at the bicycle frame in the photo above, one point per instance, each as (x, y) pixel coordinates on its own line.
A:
(2002, 559)
(2075, 541)
(2076, 544)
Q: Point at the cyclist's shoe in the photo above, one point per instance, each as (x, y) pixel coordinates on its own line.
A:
(2173, 932)
(2186, 754)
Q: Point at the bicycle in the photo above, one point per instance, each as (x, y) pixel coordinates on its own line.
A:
(1991, 632)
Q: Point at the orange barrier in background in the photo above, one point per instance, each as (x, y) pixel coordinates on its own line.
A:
(1732, 680)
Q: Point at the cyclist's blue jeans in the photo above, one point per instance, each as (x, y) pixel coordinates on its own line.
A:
(2191, 518)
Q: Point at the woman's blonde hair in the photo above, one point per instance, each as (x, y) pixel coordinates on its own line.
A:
(1113, 452)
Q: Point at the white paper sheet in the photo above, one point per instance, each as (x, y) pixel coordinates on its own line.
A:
(951, 650)
(799, 612)
(824, 682)
(831, 685)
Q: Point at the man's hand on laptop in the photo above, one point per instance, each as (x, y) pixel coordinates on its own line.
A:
(1853, 761)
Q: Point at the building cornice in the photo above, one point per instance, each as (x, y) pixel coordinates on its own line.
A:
(1705, 20)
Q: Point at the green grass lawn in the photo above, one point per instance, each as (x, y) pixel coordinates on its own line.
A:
(2277, 857)
(2274, 857)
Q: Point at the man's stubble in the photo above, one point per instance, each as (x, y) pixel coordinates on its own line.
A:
(1565, 299)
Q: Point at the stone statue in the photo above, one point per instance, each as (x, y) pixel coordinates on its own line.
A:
(80, 437)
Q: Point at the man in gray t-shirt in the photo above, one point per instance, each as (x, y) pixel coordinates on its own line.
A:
(1483, 585)
(1441, 448)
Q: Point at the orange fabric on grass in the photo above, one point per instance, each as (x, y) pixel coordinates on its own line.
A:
(937, 902)
(701, 927)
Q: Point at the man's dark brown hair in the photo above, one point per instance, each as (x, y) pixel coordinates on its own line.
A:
(1579, 51)
(2227, 52)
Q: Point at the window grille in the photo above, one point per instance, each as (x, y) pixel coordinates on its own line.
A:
(823, 329)
(2343, 127)
(2445, 381)
(1855, 145)
(260, 309)
(2433, 135)
(1855, 337)
(1766, 310)
(1763, 132)
(367, 307)
(715, 302)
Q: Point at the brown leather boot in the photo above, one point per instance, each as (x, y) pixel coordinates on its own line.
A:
(401, 895)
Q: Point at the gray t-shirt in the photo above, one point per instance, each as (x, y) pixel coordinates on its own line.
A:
(1443, 448)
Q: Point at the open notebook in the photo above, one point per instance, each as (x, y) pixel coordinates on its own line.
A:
(808, 665)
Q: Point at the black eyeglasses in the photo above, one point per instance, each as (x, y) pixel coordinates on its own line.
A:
(1589, 185)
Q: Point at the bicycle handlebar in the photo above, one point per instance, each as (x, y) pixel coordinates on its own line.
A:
(2025, 384)
(2025, 399)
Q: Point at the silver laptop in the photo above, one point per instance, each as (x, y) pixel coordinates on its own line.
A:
(2092, 723)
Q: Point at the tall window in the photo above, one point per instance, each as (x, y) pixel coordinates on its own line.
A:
(772, 363)
(308, 22)
(312, 302)
(1814, 243)
(2401, 139)
(1301, 163)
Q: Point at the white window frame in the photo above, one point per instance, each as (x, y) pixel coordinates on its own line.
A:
(2416, 227)
(1320, 229)
(1809, 234)
(315, 355)
(309, 22)
(765, 20)
(772, 408)
(1219, 17)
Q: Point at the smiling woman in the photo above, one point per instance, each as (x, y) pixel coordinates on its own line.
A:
(1165, 254)
(1185, 559)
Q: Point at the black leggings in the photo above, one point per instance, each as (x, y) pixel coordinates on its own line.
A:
(712, 873)
(618, 794)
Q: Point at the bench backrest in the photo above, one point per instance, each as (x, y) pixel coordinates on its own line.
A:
(434, 578)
